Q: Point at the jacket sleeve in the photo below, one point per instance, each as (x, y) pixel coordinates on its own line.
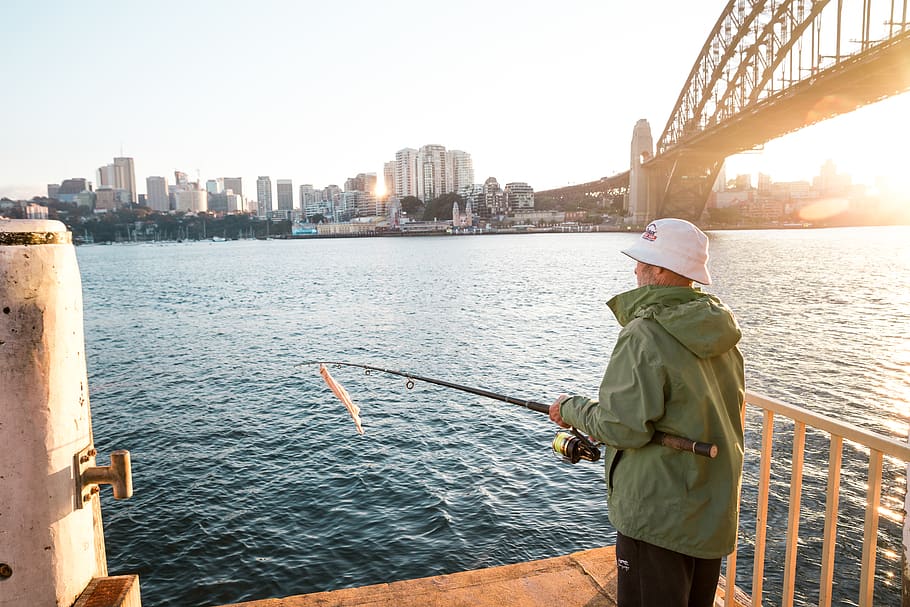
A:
(631, 398)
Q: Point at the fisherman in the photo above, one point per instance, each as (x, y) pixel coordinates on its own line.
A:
(675, 368)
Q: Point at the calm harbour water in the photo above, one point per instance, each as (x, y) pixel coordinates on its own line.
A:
(251, 482)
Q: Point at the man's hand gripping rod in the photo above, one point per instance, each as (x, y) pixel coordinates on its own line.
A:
(661, 438)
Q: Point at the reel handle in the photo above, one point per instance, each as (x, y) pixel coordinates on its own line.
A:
(685, 444)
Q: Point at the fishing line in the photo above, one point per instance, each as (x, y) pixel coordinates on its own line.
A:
(572, 445)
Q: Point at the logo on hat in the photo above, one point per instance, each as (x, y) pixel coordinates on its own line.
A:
(650, 232)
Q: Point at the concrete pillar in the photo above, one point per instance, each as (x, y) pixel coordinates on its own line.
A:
(51, 545)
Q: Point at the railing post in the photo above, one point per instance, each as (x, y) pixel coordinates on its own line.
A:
(905, 557)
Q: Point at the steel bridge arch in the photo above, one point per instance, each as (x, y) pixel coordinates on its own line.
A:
(762, 60)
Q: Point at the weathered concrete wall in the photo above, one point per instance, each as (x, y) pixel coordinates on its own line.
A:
(48, 544)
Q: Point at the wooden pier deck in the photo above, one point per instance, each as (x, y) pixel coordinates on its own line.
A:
(582, 578)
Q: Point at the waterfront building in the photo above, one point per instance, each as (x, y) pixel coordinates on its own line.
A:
(519, 196)
(831, 183)
(460, 169)
(642, 149)
(493, 199)
(406, 172)
(234, 184)
(264, 195)
(432, 178)
(764, 183)
(285, 194)
(156, 194)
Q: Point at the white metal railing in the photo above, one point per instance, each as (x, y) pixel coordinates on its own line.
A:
(878, 446)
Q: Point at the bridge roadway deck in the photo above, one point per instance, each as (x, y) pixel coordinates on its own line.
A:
(583, 578)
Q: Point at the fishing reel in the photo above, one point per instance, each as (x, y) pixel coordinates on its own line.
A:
(574, 446)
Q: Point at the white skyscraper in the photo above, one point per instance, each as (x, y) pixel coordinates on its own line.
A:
(156, 194)
(264, 195)
(460, 170)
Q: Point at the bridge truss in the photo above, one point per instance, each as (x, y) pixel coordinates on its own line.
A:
(768, 68)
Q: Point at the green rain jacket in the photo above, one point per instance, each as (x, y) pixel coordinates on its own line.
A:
(675, 368)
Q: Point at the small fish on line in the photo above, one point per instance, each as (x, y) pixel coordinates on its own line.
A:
(342, 395)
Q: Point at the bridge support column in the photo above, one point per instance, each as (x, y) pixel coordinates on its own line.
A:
(641, 208)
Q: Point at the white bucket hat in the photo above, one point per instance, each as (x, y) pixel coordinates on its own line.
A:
(674, 244)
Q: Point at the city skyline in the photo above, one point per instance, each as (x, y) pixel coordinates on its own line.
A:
(528, 88)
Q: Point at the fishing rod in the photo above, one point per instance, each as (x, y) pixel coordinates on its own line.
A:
(573, 446)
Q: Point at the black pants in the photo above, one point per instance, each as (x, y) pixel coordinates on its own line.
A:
(650, 576)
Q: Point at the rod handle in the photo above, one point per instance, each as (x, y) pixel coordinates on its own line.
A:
(685, 444)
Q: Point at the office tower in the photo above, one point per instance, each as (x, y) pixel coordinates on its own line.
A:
(235, 184)
(52, 190)
(127, 175)
(460, 170)
(264, 195)
(109, 176)
(180, 179)
(215, 186)
(71, 188)
(642, 149)
(432, 177)
(285, 191)
(156, 194)
(406, 172)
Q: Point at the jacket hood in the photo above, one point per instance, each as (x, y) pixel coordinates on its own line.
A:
(697, 320)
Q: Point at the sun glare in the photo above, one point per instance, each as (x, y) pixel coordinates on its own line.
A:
(379, 192)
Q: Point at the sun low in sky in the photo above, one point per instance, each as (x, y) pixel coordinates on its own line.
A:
(541, 92)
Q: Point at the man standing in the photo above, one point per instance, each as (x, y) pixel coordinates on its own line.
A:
(675, 368)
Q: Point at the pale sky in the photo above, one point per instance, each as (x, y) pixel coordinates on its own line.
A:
(316, 92)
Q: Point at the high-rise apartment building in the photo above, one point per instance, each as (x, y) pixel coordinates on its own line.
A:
(388, 178)
(285, 191)
(432, 178)
(156, 194)
(264, 195)
(460, 170)
(234, 184)
(406, 172)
